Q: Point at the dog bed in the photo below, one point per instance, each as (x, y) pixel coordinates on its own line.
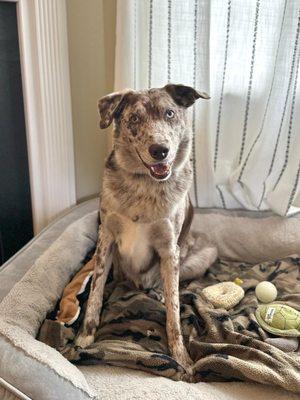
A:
(225, 345)
(40, 372)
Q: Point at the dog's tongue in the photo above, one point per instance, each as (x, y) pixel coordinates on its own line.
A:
(160, 169)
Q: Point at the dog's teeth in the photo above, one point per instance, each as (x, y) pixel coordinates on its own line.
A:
(160, 169)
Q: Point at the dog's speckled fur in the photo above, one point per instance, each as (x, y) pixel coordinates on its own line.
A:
(146, 219)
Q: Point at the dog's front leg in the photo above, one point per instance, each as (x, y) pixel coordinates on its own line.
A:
(103, 260)
(164, 243)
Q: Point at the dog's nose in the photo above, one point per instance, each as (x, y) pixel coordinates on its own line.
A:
(158, 152)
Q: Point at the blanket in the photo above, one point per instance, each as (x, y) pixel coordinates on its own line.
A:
(224, 345)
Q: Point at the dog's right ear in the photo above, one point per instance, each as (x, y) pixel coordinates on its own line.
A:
(108, 107)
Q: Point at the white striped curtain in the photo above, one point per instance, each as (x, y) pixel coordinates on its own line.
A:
(245, 54)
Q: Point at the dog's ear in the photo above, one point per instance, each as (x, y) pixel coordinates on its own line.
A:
(184, 96)
(109, 106)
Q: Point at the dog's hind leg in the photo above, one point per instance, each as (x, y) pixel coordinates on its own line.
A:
(196, 256)
(103, 261)
(163, 241)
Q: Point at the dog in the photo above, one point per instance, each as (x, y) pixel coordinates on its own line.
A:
(145, 209)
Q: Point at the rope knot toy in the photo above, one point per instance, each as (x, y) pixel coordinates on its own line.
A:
(224, 295)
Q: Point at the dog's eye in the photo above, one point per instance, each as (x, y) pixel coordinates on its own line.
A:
(134, 118)
(170, 113)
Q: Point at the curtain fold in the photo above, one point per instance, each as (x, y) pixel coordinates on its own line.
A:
(245, 54)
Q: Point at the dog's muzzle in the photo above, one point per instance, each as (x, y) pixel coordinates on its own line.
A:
(160, 171)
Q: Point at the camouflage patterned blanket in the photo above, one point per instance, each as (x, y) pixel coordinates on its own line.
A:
(225, 345)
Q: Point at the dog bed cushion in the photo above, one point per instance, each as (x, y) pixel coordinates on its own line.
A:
(249, 235)
(40, 371)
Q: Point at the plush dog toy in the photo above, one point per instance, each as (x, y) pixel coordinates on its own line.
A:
(59, 329)
(279, 319)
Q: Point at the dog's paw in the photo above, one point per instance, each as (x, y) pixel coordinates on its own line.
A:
(84, 341)
(185, 361)
(188, 365)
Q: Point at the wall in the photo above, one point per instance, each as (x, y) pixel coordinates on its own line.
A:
(91, 36)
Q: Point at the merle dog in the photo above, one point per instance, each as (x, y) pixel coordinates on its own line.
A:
(145, 209)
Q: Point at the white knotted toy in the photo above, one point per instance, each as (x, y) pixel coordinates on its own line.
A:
(224, 295)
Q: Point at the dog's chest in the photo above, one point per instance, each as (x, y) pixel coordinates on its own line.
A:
(135, 247)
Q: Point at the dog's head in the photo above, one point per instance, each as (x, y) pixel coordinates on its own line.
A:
(151, 134)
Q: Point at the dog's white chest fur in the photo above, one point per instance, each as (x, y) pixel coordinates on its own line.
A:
(134, 246)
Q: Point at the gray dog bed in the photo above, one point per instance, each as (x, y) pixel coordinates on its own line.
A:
(33, 280)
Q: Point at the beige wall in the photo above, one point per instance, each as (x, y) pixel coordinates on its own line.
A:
(91, 35)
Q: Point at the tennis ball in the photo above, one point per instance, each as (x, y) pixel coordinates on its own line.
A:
(266, 292)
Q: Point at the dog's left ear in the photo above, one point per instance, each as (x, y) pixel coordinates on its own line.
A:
(184, 96)
(109, 106)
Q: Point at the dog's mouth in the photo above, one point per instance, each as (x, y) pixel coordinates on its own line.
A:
(160, 171)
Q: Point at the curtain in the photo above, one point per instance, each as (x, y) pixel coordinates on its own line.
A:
(245, 54)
